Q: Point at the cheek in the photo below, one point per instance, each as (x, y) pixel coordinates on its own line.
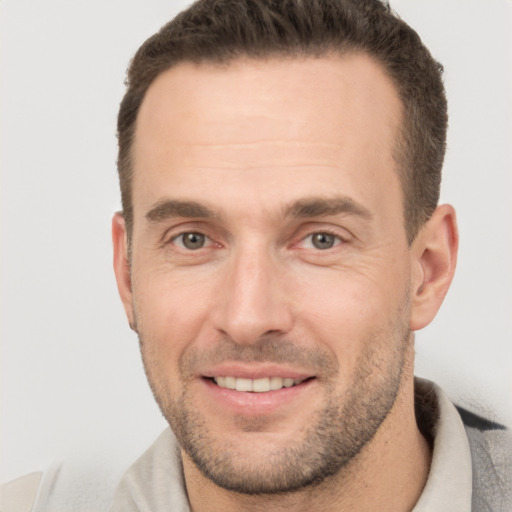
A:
(171, 313)
(353, 312)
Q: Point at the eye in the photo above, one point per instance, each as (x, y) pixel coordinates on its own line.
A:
(191, 240)
(322, 240)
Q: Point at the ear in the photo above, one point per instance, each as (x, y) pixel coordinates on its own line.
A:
(435, 255)
(122, 266)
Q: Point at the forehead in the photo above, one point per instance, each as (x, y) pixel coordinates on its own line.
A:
(337, 89)
(263, 118)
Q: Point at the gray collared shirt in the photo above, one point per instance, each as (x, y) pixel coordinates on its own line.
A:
(155, 482)
(449, 483)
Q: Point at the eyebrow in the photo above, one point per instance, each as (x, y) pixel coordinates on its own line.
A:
(303, 208)
(319, 206)
(169, 208)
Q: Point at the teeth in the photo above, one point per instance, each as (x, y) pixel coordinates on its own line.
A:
(288, 383)
(256, 385)
(276, 383)
(261, 385)
(243, 384)
(230, 382)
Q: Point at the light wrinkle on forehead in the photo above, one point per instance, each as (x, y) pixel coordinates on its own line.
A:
(173, 92)
(209, 130)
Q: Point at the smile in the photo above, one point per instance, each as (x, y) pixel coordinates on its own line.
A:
(262, 385)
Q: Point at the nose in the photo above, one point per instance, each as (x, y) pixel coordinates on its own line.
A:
(253, 299)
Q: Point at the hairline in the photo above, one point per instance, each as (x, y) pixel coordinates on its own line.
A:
(399, 151)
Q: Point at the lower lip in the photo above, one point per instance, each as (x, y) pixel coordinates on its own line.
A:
(255, 404)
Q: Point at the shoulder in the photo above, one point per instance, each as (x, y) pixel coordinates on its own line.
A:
(73, 484)
(19, 495)
(155, 481)
(491, 457)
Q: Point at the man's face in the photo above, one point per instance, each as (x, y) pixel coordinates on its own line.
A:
(270, 255)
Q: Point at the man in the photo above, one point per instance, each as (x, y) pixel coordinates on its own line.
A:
(279, 244)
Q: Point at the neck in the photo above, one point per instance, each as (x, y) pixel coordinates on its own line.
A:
(388, 475)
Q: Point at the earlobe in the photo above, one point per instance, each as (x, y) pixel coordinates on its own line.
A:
(122, 266)
(435, 256)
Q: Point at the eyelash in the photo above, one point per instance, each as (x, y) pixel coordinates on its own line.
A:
(179, 240)
(338, 240)
(183, 234)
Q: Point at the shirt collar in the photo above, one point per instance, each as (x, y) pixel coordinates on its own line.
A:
(449, 483)
(155, 482)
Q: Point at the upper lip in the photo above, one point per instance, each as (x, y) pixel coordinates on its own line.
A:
(254, 371)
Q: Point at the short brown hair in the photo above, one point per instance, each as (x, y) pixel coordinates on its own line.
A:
(224, 30)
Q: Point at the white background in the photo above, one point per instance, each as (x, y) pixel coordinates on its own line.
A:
(71, 378)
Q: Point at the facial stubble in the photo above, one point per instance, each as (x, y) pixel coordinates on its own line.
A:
(333, 438)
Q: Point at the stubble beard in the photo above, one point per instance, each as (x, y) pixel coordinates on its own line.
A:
(333, 439)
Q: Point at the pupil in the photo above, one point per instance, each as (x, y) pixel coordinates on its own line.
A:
(323, 240)
(193, 240)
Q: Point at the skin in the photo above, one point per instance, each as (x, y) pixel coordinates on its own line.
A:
(258, 157)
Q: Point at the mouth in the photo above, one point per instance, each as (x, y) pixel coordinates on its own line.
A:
(260, 385)
(256, 392)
